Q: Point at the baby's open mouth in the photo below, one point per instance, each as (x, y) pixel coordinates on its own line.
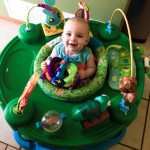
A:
(72, 44)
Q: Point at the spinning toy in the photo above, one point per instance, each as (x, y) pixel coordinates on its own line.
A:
(55, 117)
(51, 121)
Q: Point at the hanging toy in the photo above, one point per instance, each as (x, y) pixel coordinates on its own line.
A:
(127, 83)
(83, 11)
(127, 88)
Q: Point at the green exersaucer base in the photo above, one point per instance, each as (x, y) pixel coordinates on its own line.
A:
(16, 67)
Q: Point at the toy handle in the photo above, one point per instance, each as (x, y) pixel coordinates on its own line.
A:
(129, 34)
(47, 7)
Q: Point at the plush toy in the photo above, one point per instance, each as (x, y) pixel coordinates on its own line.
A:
(127, 88)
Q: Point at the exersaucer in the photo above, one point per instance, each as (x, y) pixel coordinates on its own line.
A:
(65, 124)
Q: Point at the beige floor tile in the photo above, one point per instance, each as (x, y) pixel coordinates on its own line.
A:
(2, 146)
(11, 148)
(146, 91)
(133, 137)
(119, 147)
(146, 142)
(146, 45)
(8, 30)
(6, 134)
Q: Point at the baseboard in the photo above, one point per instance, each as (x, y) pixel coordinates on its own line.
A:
(12, 19)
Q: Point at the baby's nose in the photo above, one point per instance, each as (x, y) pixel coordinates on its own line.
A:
(73, 38)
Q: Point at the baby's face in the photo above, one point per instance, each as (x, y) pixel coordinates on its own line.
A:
(75, 36)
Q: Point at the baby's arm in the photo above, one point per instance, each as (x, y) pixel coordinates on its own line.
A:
(44, 63)
(90, 68)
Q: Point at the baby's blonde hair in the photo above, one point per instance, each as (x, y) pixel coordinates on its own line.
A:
(80, 20)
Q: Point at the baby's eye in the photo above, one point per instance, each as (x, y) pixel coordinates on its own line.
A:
(80, 36)
(68, 34)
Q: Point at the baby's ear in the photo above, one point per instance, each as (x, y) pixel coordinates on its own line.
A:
(62, 36)
(87, 40)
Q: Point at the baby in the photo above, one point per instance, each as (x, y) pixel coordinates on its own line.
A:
(75, 37)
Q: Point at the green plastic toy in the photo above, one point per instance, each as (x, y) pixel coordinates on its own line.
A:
(119, 64)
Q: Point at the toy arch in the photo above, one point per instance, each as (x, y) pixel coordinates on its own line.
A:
(77, 94)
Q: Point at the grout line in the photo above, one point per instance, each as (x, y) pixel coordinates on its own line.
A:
(12, 146)
(8, 145)
(145, 99)
(128, 146)
(145, 125)
(3, 143)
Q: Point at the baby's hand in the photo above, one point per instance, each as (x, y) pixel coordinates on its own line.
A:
(81, 74)
(44, 65)
(45, 46)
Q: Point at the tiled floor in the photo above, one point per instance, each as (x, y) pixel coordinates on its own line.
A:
(138, 133)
